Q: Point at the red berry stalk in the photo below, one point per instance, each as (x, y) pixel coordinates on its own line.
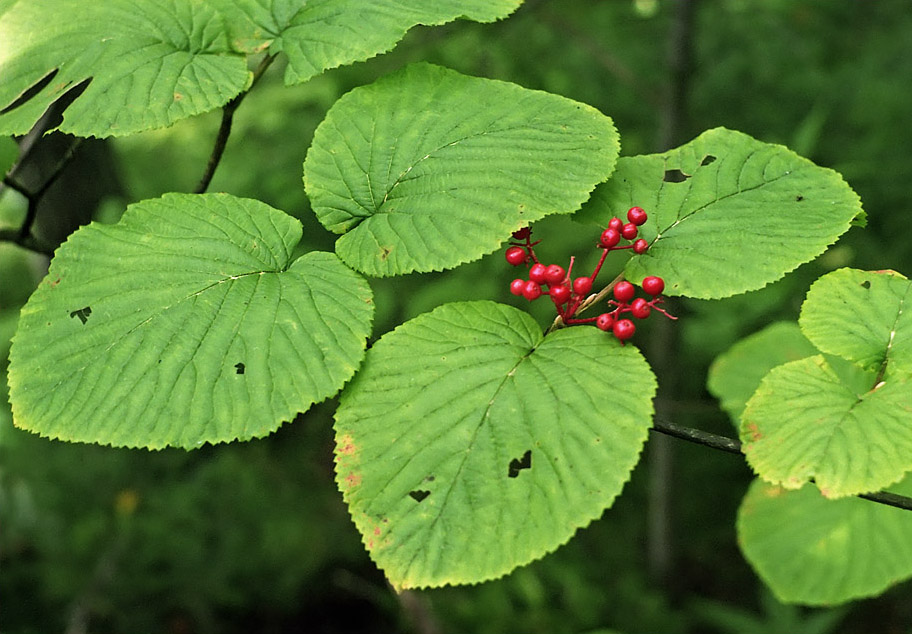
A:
(570, 294)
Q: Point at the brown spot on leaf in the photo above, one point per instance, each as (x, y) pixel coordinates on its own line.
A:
(346, 445)
(385, 252)
(352, 480)
(754, 432)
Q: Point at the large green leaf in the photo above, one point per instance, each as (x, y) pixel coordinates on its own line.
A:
(816, 551)
(727, 213)
(320, 34)
(151, 63)
(862, 316)
(427, 169)
(469, 444)
(735, 375)
(811, 419)
(187, 322)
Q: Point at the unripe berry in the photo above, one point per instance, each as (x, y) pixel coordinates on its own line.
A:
(515, 255)
(604, 321)
(522, 234)
(640, 308)
(517, 286)
(610, 237)
(554, 274)
(629, 231)
(636, 215)
(560, 294)
(624, 291)
(623, 329)
(653, 285)
(531, 290)
(640, 246)
(616, 224)
(582, 285)
(537, 273)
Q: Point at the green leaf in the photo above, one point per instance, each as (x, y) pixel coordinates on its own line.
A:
(323, 34)
(469, 444)
(150, 62)
(862, 316)
(427, 169)
(735, 375)
(186, 322)
(9, 152)
(811, 550)
(811, 420)
(727, 213)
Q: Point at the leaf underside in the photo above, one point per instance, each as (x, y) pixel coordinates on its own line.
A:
(469, 444)
(187, 322)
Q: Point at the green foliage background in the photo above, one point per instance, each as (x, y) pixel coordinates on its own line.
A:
(255, 537)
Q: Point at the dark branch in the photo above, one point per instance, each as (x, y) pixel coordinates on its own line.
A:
(221, 139)
(731, 445)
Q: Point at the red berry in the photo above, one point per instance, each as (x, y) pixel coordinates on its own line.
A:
(554, 274)
(640, 308)
(531, 290)
(636, 215)
(604, 321)
(624, 291)
(560, 294)
(653, 285)
(610, 237)
(616, 224)
(522, 234)
(517, 286)
(537, 273)
(629, 231)
(623, 329)
(582, 285)
(516, 255)
(640, 246)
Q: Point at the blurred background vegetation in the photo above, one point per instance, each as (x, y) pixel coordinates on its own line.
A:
(254, 537)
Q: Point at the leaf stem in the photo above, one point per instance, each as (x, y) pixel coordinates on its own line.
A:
(221, 139)
(730, 445)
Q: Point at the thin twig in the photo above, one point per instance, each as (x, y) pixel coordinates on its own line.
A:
(221, 139)
(730, 445)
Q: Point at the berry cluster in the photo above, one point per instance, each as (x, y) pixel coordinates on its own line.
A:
(569, 293)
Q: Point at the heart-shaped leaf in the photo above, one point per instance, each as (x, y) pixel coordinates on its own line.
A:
(187, 322)
(469, 444)
(822, 552)
(727, 213)
(322, 34)
(427, 169)
(148, 64)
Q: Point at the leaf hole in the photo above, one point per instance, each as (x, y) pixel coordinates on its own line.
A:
(518, 464)
(709, 158)
(82, 314)
(799, 198)
(675, 176)
(384, 253)
(419, 495)
(866, 284)
(31, 91)
(239, 368)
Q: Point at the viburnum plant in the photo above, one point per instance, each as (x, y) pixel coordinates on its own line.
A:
(571, 295)
(195, 319)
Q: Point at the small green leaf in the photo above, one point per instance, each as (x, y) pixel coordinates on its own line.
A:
(323, 34)
(727, 213)
(9, 152)
(862, 316)
(148, 64)
(187, 322)
(811, 550)
(809, 420)
(735, 375)
(469, 444)
(427, 169)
